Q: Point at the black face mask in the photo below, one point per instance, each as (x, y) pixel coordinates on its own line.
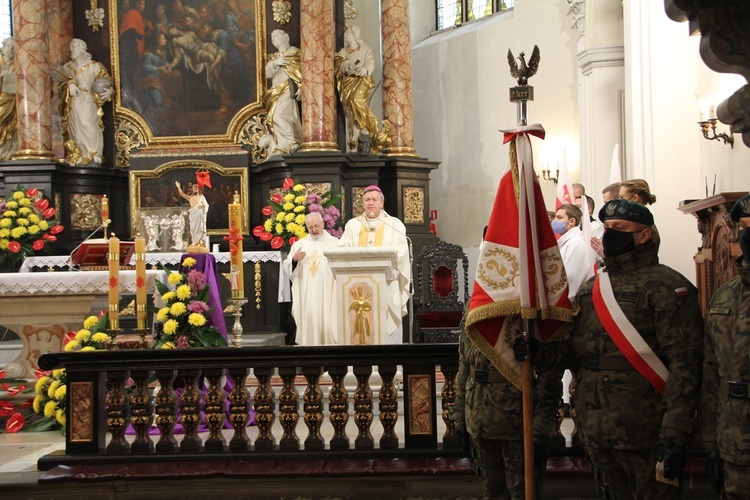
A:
(616, 242)
(744, 241)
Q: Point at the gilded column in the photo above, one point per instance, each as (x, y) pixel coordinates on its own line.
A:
(33, 83)
(60, 16)
(318, 37)
(397, 101)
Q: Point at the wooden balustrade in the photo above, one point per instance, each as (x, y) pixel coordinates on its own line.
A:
(111, 392)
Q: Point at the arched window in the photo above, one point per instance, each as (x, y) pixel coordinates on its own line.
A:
(452, 13)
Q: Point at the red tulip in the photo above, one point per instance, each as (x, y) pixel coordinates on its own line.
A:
(276, 198)
(49, 237)
(14, 246)
(6, 408)
(258, 230)
(288, 183)
(292, 240)
(15, 423)
(48, 213)
(42, 204)
(38, 245)
(57, 228)
(31, 192)
(277, 242)
(266, 236)
(267, 210)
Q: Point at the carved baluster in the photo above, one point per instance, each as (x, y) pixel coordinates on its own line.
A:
(313, 408)
(117, 412)
(448, 396)
(264, 409)
(363, 408)
(190, 407)
(288, 414)
(388, 407)
(338, 406)
(166, 410)
(238, 410)
(141, 416)
(214, 409)
(557, 440)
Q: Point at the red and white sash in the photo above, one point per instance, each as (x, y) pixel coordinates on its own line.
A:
(625, 336)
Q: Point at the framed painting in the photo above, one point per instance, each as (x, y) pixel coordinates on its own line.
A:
(153, 189)
(187, 71)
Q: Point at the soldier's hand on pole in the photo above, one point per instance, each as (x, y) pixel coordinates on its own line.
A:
(523, 349)
(674, 457)
(715, 469)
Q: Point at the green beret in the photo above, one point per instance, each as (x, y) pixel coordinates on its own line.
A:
(626, 210)
(741, 208)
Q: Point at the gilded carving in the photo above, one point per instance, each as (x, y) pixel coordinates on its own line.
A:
(362, 311)
(250, 135)
(85, 211)
(282, 11)
(128, 138)
(414, 205)
(357, 207)
(81, 412)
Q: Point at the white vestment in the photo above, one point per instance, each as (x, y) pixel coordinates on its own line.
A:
(597, 229)
(574, 250)
(385, 231)
(312, 290)
(197, 216)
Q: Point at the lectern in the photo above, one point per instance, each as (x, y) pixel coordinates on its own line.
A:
(361, 281)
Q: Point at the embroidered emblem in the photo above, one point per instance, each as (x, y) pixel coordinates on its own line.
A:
(314, 263)
(506, 268)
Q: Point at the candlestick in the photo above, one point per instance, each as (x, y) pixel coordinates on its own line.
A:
(105, 212)
(140, 281)
(113, 260)
(236, 271)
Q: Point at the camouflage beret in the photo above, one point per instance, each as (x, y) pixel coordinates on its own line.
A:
(626, 210)
(741, 209)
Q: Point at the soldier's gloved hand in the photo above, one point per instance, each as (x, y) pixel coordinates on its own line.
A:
(522, 349)
(674, 457)
(715, 469)
(463, 438)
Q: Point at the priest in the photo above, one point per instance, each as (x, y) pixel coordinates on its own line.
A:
(312, 284)
(375, 228)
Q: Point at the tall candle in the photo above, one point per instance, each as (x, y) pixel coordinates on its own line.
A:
(236, 271)
(113, 260)
(105, 210)
(140, 281)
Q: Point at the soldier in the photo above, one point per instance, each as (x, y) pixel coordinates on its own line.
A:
(636, 354)
(725, 400)
(488, 414)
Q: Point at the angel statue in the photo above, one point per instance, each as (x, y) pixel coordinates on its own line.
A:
(178, 230)
(151, 224)
(84, 86)
(8, 121)
(353, 66)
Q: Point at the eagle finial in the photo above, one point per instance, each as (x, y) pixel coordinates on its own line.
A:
(523, 72)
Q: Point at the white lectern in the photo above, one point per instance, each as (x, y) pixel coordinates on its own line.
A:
(361, 277)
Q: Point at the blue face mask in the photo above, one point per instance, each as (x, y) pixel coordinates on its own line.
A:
(559, 226)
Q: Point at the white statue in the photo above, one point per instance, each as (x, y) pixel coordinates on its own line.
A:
(151, 223)
(196, 214)
(84, 86)
(8, 121)
(284, 68)
(178, 230)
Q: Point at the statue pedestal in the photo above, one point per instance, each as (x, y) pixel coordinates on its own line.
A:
(361, 293)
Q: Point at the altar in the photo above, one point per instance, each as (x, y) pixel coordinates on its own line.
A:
(42, 307)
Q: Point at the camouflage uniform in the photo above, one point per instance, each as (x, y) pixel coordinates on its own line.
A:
(492, 410)
(619, 415)
(725, 408)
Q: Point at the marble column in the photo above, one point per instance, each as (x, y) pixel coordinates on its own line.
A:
(33, 83)
(318, 37)
(60, 15)
(397, 100)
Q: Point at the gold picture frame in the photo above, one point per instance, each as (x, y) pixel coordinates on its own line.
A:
(189, 114)
(156, 189)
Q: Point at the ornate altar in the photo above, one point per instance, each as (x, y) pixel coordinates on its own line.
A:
(714, 261)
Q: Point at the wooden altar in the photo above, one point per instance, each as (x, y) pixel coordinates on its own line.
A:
(714, 261)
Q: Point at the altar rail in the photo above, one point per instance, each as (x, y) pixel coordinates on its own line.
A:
(100, 405)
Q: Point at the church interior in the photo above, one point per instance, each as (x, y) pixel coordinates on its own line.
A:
(624, 89)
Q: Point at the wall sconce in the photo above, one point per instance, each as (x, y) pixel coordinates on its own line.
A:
(711, 124)
(547, 175)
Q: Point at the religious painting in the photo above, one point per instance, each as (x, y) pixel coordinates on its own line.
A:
(157, 189)
(187, 70)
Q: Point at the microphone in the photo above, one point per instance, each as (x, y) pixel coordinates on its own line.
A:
(70, 257)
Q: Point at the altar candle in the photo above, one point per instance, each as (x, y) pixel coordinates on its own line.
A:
(113, 259)
(105, 210)
(235, 248)
(140, 281)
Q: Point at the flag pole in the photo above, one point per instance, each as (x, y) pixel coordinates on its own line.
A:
(521, 94)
